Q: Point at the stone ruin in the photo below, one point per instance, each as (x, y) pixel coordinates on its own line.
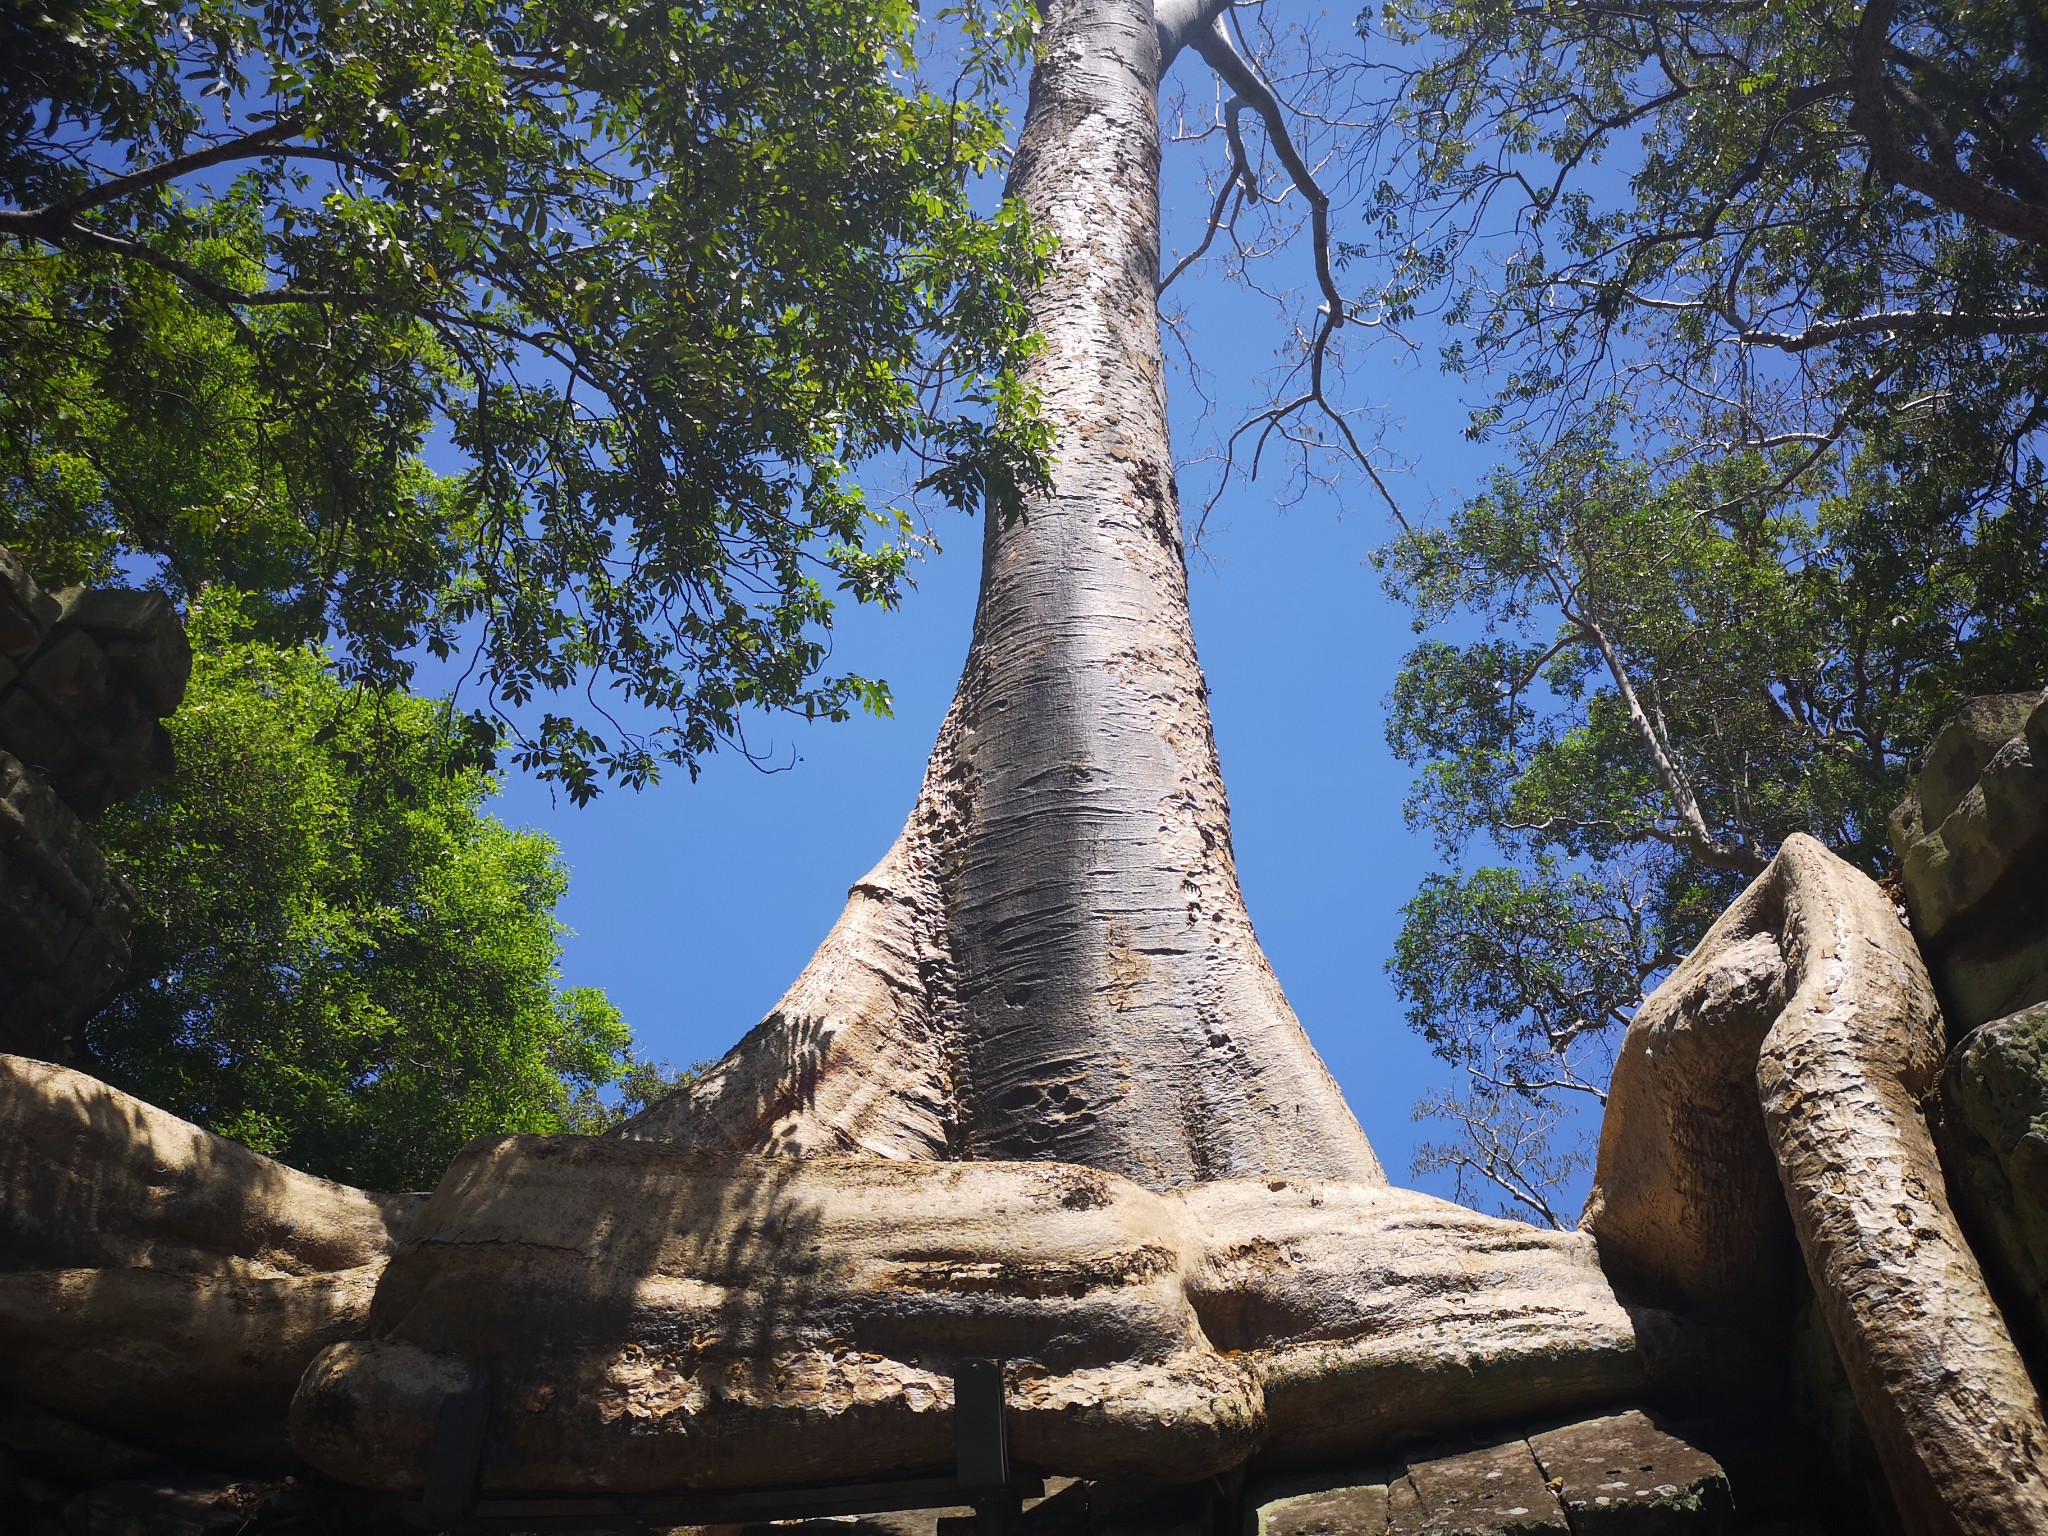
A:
(86, 677)
(1805, 1296)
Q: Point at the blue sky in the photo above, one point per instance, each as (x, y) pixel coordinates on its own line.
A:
(694, 905)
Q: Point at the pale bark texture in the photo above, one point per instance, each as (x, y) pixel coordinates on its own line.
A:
(1055, 962)
(1812, 987)
(651, 1317)
(160, 1282)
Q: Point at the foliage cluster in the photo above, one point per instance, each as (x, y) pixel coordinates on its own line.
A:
(1757, 299)
(343, 960)
(550, 333)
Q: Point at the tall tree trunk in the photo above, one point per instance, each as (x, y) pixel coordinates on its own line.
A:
(1054, 961)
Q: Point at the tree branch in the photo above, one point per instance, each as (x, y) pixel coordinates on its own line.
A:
(1895, 160)
(1217, 49)
(1699, 837)
(251, 146)
(1822, 332)
(1221, 54)
(76, 236)
(1239, 180)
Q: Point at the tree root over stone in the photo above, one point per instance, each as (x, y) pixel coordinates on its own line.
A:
(1793, 1049)
(656, 1316)
(163, 1284)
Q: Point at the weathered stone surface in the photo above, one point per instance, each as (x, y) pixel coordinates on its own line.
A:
(1354, 1505)
(1973, 844)
(1850, 1045)
(160, 1283)
(88, 675)
(82, 684)
(729, 1320)
(142, 636)
(26, 610)
(1976, 878)
(73, 679)
(1988, 978)
(32, 731)
(64, 915)
(1620, 1475)
(1624, 1476)
(1995, 1140)
(1496, 1490)
(1954, 759)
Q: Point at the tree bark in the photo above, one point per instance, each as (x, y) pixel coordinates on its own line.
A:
(1054, 961)
(1796, 1046)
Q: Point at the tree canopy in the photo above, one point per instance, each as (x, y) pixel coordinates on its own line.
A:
(544, 334)
(568, 342)
(342, 960)
(1754, 297)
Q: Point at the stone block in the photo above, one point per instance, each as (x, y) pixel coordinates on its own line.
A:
(88, 722)
(1626, 1476)
(32, 732)
(130, 613)
(92, 967)
(64, 916)
(1996, 975)
(34, 1019)
(1956, 757)
(1952, 871)
(1497, 1490)
(140, 758)
(1353, 1504)
(141, 635)
(74, 679)
(1994, 1134)
(1405, 1514)
(35, 821)
(38, 930)
(26, 610)
(1976, 874)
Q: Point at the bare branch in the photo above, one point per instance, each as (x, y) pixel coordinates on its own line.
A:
(1699, 837)
(1220, 52)
(1238, 179)
(1949, 322)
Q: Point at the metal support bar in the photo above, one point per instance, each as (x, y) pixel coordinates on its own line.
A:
(981, 1443)
(458, 1451)
(981, 1430)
